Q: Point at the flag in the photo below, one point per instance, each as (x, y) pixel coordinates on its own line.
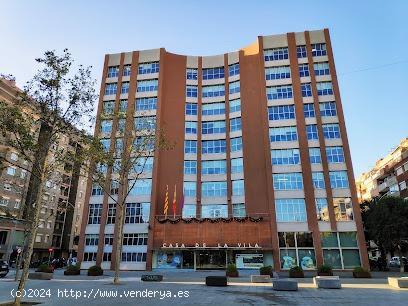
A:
(166, 201)
(174, 202)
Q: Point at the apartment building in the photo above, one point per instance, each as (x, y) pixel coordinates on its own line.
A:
(60, 199)
(260, 173)
(389, 176)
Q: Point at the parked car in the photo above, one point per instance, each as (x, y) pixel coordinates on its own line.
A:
(395, 261)
(4, 268)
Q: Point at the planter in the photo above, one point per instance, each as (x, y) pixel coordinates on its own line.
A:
(152, 277)
(296, 274)
(95, 273)
(285, 285)
(362, 274)
(217, 281)
(40, 275)
(78, 272)
(324, 273)
(232, 274)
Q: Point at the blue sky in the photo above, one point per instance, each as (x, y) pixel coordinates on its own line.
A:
(365, 34)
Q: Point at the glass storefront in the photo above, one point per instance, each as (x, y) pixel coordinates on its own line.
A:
(211, 259)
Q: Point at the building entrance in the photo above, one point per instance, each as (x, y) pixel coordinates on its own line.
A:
(211, 259)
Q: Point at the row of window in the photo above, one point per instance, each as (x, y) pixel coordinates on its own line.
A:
(286, 91)
(283, 72)
(210, 109)
(276, 54)
(294, 180)
(213, 146)
(126, 256)
(144, 68)
(212, 73)
(142, 86)
(135, 213)
(214, 166)
(289, 133)
(213, 127)
(214, 210)
(214, 189)
(292, 156)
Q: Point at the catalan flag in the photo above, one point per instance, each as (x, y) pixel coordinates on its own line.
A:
(174, 202)
(166, 201)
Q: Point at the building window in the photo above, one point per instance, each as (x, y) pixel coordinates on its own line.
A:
(191, 73)
(213, 167)
(190, 167)
(23, 174)
(123, 104)
(308, 110)
(335, 155)
(296, 249)
(237, 165)
(238, 210)
(288, 133)
(211, 109)
(290, 210)
(191, 91)
(238, 188)
(301, 51)
(285, 157)
(322, 210)
(340, 250)
(306, 90)
(235, 105)
(311, 132)
(331, 131)
(319, 49)
(339, 179)
(106, 126)
(189, 211)
(105, 142)
(189, 189)
(234, 87)
(96, 190)
(137, 213)
(324, 88)
(318, 180)
(287, 181)
(343, 209)
(214, 189)
(281, 112)
(125, 88)
(108, 107)
(276, 54)
(213, 127)
(111, 214)
(107, 256)
(113, 71)
(91, 239)
(213, 91)
(276, 73)
(328, 109)
(190, 146)
(235, 124)
(145, 104)
(4, 201)
(213, 146)
(95, 212)
(89, 256)
(145, 68)
(121, 125)
(214, 211)
(127, 70)
(403, 185)
(114, 187)
(304, 70)
(133, 257)
(142, 187)
(233, 69)
(236, 144)
(143, 164)
(145, 123)
(191, 109)
(213, 73)
(147, 85)
(135, 239)
(314, 156)
(191, 127)
(279, 92)
(321, 68)
(111, 89)
(11, 170)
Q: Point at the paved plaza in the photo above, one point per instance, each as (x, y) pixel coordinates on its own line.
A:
(187, 288)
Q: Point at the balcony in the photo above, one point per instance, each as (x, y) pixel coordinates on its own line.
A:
(389, 181)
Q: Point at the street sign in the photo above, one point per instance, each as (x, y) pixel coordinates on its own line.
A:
(50, 250)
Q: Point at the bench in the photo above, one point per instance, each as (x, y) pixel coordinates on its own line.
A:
(152, 278)
(284, 285)
(327, 282)
(216, 281)
(398, 282)
(260, 278)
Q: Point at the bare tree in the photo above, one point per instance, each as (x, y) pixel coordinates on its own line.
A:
(53, 105)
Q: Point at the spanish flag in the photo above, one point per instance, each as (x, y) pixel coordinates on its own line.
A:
(174, 202)
(166, 201)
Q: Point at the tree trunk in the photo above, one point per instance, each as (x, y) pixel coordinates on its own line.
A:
(119, 242)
